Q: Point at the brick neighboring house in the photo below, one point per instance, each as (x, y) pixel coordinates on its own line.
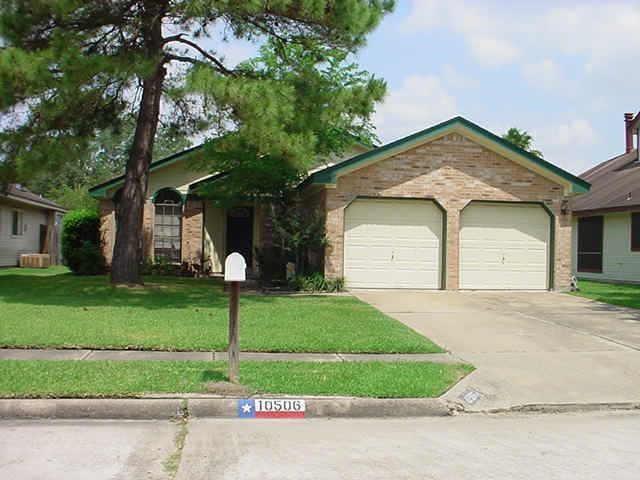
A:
(453, 206)
(606, 242)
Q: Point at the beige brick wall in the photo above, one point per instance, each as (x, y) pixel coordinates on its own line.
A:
(192, 218)
(454, 171)
(107, 228)
(191, 230)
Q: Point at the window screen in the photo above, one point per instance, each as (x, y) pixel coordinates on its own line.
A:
(590, 240)
(16, 223)
(168, 227)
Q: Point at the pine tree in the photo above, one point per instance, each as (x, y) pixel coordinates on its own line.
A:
(69, 68)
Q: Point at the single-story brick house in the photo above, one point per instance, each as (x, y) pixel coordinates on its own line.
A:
(606, 240)
(451, 207)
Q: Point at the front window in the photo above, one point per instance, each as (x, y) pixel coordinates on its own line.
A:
(635, 232)
(590, 241)
(16, 223)
(167, 226)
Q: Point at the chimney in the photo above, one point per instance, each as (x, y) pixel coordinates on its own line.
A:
(628, 132)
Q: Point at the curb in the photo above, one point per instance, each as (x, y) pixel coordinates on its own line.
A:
(563, 408)
(180, 407)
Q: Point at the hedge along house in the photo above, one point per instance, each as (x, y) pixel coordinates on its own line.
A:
(607, 220)
(451, 207)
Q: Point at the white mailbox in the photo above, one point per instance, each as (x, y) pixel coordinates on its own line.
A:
(235, 268)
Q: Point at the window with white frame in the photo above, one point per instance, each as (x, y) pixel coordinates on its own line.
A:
(167, 227)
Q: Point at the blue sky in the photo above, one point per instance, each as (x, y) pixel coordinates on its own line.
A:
(565, 71)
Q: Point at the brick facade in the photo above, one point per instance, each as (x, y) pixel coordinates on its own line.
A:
(107, 228)
(454, 171)
(192, 226)
(192, 222)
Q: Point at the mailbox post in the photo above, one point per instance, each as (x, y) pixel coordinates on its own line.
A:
(234, 272)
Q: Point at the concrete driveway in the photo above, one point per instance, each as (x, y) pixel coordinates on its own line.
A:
(528, 347)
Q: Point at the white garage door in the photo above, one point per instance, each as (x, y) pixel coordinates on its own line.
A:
(392, 244)
(504, 247)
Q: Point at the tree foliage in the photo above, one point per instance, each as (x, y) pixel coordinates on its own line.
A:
(522, 139)
(72, 68)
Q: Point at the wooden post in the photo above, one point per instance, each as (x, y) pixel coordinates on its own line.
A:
(235, 268)
(234, 339)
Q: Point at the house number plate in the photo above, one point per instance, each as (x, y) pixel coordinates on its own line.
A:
(271, 408)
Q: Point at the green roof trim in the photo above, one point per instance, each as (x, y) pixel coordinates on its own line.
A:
(99, 191)
(329, 175)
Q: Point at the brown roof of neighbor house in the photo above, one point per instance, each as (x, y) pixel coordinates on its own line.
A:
(615, 185)
(18, 192)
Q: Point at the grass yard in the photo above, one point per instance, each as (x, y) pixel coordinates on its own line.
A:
(37, 379)
(625, 295)
(52, 308)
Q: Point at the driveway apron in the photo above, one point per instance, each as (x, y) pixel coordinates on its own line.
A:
(528, 347)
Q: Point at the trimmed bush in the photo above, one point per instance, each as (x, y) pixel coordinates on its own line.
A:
(81, 244)
(317, 283)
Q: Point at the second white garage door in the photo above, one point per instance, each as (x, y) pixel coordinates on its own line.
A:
(392, 244)
(504, 247)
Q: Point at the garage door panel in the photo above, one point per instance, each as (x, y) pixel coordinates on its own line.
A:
(392, 244)
(504, 247)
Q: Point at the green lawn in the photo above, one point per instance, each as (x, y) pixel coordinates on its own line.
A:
(625, 295)
(52, 308)
(35, 379)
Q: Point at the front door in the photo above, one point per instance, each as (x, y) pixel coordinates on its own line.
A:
(240, 232)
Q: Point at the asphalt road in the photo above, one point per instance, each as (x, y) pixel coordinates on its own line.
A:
(564, 446)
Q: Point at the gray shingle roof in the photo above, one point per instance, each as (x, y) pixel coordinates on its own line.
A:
(19, 192)
(615, 185)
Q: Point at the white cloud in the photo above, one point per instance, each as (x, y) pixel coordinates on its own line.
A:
(545, 74)
(418, 103)
(567, 143)
(453, 78)
(481, 30)
(602, 34)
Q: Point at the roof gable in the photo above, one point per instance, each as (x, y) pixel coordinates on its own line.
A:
(330, 175)
(100, 190)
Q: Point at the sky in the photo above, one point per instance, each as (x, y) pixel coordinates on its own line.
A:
(565, 71)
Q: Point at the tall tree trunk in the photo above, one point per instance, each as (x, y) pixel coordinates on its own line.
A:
(127, 253)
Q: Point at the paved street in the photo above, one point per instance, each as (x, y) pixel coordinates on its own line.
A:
(523, 447)
(528, 347)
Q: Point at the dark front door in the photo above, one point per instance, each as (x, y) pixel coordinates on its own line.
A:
(240, 232)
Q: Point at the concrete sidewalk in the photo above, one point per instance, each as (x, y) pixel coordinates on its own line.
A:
(60, 354)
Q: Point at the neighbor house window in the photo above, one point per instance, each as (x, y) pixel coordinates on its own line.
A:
(167, 226)
(16, 223)
(635, 232)
(590, 241)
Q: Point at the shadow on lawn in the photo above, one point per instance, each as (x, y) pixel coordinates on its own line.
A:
(66, 289)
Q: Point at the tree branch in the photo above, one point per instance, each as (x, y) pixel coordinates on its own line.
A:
(220, 66)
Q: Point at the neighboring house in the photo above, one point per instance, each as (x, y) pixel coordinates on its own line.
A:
(453, 206)
(606, 241)
(29, 223)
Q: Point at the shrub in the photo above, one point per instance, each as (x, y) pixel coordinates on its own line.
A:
(159, 266)
(317, 283)
(81, 244)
